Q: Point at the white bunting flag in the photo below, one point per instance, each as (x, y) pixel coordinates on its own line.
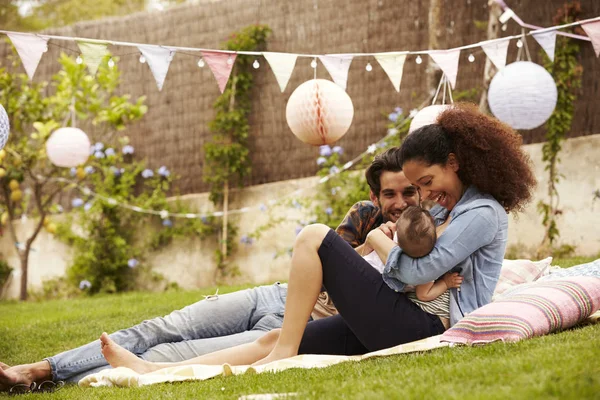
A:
(30, 49)
(393, 65)
(496, 52)
(447, 60)
(282, 65)
(221, 65)
(93, 53)
(158, 59)
(548, 42)
(593, 31)
(338, 66)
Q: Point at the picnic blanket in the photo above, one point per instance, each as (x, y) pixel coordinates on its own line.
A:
(125, 377)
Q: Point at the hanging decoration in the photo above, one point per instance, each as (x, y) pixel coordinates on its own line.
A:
(548, 42)
(319, 112)
(523, 95)
(338, 66)
(93, 53)
(158, 58)
(68, 147)
(592, 29)
(427, 116)
(30, 48)
(496, 52)
(282, 65)
(393, 65)
(4, 127)
(221, 65)
(447, 60)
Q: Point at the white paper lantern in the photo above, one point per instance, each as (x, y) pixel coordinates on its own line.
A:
(523, 95)
(4, 127)
(319, 112)
(427, 116)
(68, 147)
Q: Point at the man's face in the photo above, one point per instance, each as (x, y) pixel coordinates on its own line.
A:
(396, 194)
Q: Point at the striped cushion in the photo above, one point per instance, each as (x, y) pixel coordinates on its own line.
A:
(516, 272)
(536, 310)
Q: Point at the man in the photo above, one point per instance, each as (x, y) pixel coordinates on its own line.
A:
(235, 318)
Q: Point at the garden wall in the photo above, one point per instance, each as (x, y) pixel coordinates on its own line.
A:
(189, 262)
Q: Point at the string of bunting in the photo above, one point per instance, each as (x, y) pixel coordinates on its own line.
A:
(31, 47)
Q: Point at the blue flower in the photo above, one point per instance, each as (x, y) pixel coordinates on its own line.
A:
(110, 152)
(128, 149)
(89, 170)
(296, 204)
(59, 208)
(262, 207)
(393, 117)
(329, 211)
(163, 171)
(204, 220)
(147, 173)
(398, 110)
(99, 154)
(321, 160)
(338, 149)
(98, 146)
(132, 263)
(77, 202)
(298, 229)
(382, 145)
(85, 284)
(116, 171)
(92, 150)
(334, 170)
(246, 240)
(73, 171)
(334, 191)
(325, 150)
(392, 131)
(167, 222)
(88, 206)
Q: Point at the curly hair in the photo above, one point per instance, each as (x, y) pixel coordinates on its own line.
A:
(489, 153)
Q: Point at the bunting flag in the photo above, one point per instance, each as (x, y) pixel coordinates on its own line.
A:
(282, 65)
(221, 65)
(447, 60)
(496, 52)
(338, 67)
(93, 53)
(548, 42)
(158, 59)
(393, 65)
(593, 31)
(30, 48)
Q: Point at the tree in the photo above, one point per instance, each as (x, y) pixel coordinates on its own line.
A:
(73, 95)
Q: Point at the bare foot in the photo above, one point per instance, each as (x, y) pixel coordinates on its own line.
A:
(117, 356)
(12, 376)
(278, 353)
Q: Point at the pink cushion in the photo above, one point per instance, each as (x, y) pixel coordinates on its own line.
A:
(536, 310)
(516, 272)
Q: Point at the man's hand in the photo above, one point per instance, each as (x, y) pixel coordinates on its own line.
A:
(389, 228)
(452, 280)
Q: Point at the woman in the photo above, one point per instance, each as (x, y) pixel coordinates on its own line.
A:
(474, 168)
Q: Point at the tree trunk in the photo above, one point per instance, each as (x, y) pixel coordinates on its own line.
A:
(435, 22)
(493, 32)
(24, 257)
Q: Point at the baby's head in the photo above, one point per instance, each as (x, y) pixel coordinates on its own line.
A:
(416, 231)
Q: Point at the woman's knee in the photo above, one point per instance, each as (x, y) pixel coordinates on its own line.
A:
(312, 235)
(269, 339)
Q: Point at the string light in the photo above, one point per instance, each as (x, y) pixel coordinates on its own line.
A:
(504, 27)
(519, 43)
(142, 59)
(255, 64)
(230, 60)
(418, 60)
(79, 60)
(201, 63)
(313, 63)
(471, 58)
(369, 67)
(111, 63)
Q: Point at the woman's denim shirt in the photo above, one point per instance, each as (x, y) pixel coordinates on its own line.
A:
(473, 244)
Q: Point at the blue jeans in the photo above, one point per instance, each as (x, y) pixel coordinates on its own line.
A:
(203, 327)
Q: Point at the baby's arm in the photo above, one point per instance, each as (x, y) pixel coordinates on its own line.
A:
(431, 290)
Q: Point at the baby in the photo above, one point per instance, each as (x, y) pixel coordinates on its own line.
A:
(416, 236)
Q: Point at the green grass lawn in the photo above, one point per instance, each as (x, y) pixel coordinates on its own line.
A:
(562, 365)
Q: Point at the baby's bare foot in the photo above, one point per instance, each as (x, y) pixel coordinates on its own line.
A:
(117, 356)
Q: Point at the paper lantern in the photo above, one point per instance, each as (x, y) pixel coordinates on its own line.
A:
(427, 116)
(4, 127)
(319, 112)
(68, 147)
(523, 95)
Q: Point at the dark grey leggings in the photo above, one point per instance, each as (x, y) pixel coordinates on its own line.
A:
(372, 316)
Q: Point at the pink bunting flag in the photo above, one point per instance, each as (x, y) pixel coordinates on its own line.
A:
(30, 48)
(447, 60)
(158, 58)
(593, 31)
(548, 42)
(338, 66)
(221, 65)
(496, 51)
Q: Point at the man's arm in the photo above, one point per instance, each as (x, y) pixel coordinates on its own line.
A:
(360, 219)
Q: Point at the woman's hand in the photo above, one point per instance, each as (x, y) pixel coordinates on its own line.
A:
(452, 280)
(389, 228)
